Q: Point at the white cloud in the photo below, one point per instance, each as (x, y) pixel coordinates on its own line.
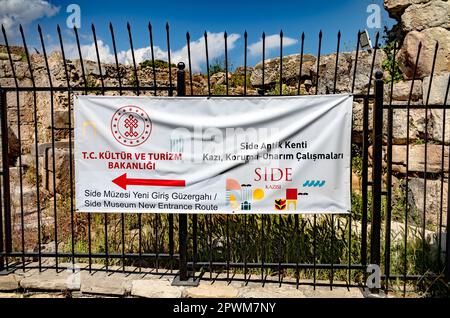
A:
(272, 42)
(216, 48)
(15, 12)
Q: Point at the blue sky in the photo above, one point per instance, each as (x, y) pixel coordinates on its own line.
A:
(293, 17)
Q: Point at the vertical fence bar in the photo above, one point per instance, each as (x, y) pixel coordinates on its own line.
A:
(332, 215)
(16, 83)
(425, 177)
(205, 35)
(182, 218)
(69, 92)
(105, 215)
(377, 166)
(83, 73)
(263, 64)
(170, 93)
(150, 31)
(387, 247)
(119, 80)
(52, 116)
(318, 63)
(263, 250)
(5, 174)
(226, 60)
(362, 173)
(300, 68)
(188, 43)
(296, 217)
(315, 215)
(157, 216)
(245, 216)
(139, 215)
(280, 216)
(227, 217)
(405, 251)
(245, 76)
(36, 148)
(170, 71)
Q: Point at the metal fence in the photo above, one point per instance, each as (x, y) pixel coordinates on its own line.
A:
(261, 247)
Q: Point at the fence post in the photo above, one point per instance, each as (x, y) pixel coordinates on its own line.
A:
(183, 279)
(377, 174)
(5, 171)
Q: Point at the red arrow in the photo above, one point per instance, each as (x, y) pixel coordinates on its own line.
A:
(123, 182)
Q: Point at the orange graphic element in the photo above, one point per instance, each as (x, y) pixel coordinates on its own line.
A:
(280, 204)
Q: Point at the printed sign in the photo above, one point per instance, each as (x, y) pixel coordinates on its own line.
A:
(288, 154)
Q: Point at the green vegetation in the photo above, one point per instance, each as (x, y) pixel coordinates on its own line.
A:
(390, 64)
(238, 79)
(216, 66)
(276, 90)
(219, 89)
(158, 64)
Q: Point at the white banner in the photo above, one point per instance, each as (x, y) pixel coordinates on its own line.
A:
(288, 154)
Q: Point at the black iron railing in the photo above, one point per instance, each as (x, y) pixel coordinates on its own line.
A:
(207, 243)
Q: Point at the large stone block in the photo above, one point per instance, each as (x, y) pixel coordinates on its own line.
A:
(417, 158)
(428, 15)
(291, 69)
(438, 89)
(155, 288)
(401, 127)
(407, 55)
(208, 290)
(397, 7)
(104, 284)
(416, 196)
(9, 282)
(50, 280)
(402, 90)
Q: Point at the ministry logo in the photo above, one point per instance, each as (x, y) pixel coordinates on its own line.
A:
(131, 126)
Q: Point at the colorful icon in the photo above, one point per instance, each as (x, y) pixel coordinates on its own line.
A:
(314, 183)
(291, 198)
(280, 204)
(242, 196)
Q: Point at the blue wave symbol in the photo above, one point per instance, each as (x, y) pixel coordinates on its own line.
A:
(314, 183)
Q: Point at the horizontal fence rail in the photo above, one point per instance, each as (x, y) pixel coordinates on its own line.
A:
(40, 228)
